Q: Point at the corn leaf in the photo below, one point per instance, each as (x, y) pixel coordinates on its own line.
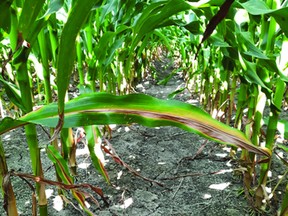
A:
(60, 164)
(258, 7)
(103, 109)
(5, 15)
(53, 7)
(13, 93)
(63, 171)
(250, 73)
(8, 124)
(108, 8)
(67, 51)
(30, 11)
(154, 15)
(221, 14)
(247, 47)
(91, 135)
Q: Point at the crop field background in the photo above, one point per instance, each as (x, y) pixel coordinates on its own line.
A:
(167, 107)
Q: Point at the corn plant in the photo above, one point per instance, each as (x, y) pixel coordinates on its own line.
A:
(235, 66)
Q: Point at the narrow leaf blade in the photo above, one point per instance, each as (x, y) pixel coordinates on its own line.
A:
(102, 108)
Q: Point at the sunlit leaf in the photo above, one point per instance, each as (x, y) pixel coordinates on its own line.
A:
(103, 109)
(251, 74)
(154, 15)
(67, 50)
(258, 7)
(53, 7)
(63, 172)
(248, 47)
(60, 164)
(29, 13)
(91, 136)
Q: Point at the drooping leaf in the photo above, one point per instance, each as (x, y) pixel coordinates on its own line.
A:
(8, 124)
(60, 164)
(53, 7)
(108, 8)
(91, 135)
(258, 7)
(250, 73)
(13, 93)
(63, 172)
(154, 15)
(221, 14)
(103, 109)
(248, 47)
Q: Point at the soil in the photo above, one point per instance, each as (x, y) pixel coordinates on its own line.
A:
(203, 185)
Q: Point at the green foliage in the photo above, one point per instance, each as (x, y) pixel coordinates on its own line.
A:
(104, 109)
(240, 61)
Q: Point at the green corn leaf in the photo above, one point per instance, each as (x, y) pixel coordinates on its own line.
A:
(91, 135)
(248, 47)
(67, 49)
(259, 7)
(63, 172)
(30, 11)
(218, 41)
(8, 124)
(271, 65)
(112, 50)
(282, 127)
(148, 11)
(251, 74)
(103, 109)
(163, 38)
(5, 15)
(21, 55)
(53, 7)
(144, 44)
(108, 45)
(176, 92)
(167, 78)
(103, 45)
(108, 8)
(154, 15)
(13, 93)
(13, 35)
(60, 164)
